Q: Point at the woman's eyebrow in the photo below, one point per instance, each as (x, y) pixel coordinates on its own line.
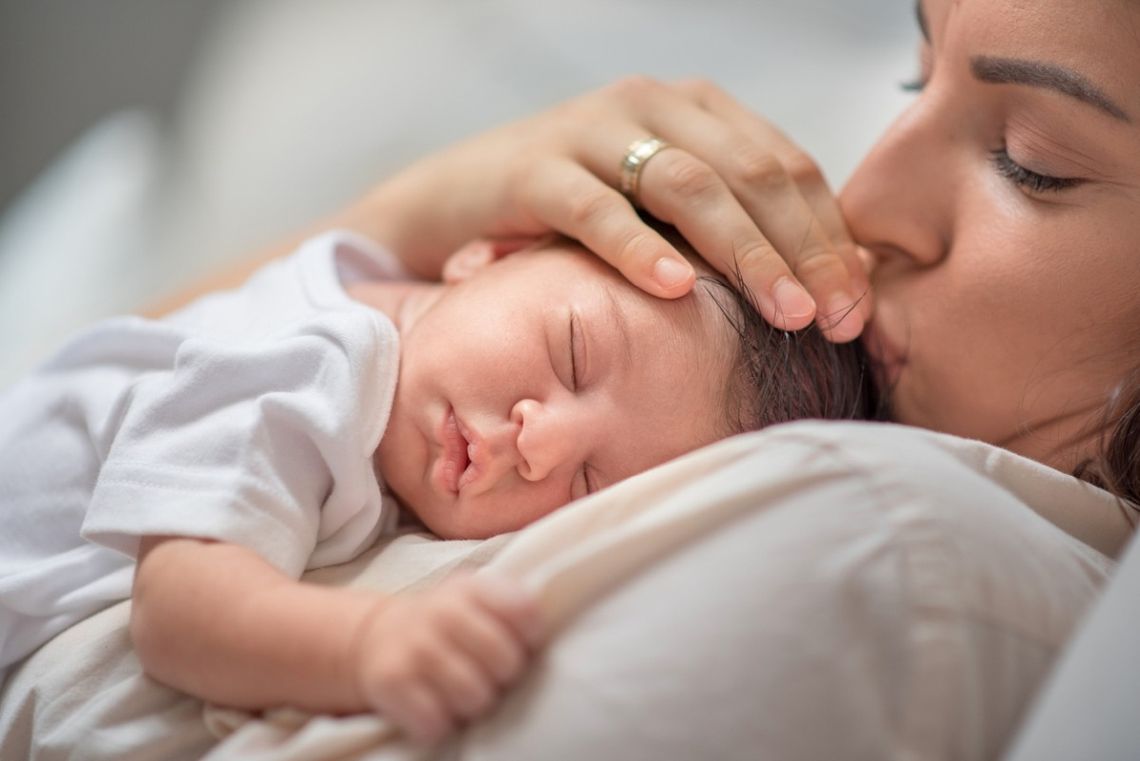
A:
(1047, 75)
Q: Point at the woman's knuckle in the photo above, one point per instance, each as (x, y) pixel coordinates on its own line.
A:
(690, 179)
(586, 209)
(635, 87)
(753, 255)
(816, 260)
(802, 169)
(636, 247)
(762, 171)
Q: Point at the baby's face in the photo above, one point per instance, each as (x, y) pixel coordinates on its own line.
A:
(540, 379)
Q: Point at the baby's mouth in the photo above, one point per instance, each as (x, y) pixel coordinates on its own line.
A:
(454, 452)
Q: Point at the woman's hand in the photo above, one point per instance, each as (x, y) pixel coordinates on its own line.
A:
(431, 661)
(742, 194)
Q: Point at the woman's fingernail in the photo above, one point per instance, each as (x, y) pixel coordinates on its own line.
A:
(670, 273)
(792, 301)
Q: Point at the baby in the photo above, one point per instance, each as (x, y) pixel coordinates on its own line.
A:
(201, 463)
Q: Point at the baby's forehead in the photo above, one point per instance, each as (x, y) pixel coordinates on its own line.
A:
(684, 346)
(704, 312)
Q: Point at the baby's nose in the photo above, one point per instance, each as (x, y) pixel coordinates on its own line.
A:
(546, 438)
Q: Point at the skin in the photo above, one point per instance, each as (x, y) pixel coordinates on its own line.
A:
(493, 348)
(1009, 311)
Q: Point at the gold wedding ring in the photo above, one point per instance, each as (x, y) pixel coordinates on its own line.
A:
(636, 156)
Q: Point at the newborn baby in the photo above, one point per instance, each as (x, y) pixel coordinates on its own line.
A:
(201, 463)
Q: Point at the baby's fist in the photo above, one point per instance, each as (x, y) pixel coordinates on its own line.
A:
(433, 660)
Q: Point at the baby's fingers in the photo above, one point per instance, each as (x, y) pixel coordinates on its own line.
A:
(512, 604)
(464, 687)
(419, 711)
(495, 645)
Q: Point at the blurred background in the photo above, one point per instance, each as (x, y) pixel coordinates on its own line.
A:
(144, 143)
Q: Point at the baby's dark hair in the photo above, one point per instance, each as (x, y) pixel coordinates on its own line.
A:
(778, 376)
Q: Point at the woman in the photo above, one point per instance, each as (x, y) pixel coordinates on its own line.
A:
(988, 241)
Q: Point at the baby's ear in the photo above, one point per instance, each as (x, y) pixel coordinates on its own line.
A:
(479, 253)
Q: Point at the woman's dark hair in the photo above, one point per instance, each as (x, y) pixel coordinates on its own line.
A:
(1116, 466)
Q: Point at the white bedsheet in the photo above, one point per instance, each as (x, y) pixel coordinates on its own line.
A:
(815, 590)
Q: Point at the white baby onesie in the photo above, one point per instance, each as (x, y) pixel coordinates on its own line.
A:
(251, 416)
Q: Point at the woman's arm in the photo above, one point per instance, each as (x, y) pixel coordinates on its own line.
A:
(744, 195)
(217, 621)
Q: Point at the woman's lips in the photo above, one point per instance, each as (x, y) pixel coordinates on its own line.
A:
(453, 455)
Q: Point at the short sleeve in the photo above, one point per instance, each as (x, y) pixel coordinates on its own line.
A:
(265, 442)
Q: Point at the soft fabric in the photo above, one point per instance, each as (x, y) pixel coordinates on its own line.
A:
(249, 417)
(817, 590)
(1090, 699)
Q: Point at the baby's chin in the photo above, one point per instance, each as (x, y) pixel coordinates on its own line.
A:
(431, 518)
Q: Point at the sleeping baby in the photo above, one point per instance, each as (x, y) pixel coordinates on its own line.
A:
(201, 463)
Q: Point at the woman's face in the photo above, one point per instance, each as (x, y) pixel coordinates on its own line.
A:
(1003, 209)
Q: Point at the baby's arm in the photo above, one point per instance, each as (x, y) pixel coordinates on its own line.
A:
(217, 621)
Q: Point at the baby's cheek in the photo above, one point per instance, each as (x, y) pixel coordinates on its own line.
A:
(492, 514)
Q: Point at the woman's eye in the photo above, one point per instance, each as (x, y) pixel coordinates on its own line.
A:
(1028, 179)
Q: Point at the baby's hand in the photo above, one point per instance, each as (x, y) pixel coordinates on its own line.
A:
(430, 661)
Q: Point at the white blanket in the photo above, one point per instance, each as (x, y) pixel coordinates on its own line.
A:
(856, 590)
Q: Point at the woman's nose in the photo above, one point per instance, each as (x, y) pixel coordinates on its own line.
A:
(899, 201)
(549, 435)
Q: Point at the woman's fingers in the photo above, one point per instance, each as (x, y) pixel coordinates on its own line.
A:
(737, 189)
(571, 199)
(685, 192)
(809, 180)
(755, 164)
(731, 184)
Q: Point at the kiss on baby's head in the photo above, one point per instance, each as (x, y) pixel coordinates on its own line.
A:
(544, 376)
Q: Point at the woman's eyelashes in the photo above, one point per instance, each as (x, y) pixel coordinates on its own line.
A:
(1027, 178)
